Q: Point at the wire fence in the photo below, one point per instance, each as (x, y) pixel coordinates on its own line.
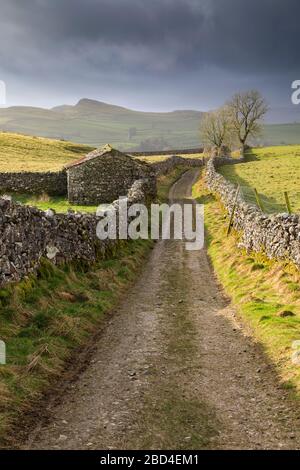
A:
(276, 202)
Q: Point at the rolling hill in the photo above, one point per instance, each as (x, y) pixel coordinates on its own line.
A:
(96, 123)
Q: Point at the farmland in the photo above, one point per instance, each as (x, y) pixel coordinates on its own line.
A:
(271, 170)
(25, 153)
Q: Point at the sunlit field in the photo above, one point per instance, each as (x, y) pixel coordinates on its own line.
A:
(272, 171)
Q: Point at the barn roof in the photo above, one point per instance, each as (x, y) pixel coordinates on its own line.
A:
(107, 149)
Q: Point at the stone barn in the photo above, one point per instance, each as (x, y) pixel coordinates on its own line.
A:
(103, 176)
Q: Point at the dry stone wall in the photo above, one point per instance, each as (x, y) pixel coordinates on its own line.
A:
(28, 234)
(54, 184)
(165, 166)
(278, 235)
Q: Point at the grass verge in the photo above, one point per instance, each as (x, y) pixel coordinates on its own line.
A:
(46, 317)
(265, 292)
(165, 182)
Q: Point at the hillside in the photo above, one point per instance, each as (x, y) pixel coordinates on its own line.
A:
(25, 153)
(95, 123)
(280, 134)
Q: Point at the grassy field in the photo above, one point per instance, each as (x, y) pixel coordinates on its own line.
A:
(271, 170)
(25, 153)
(261, 289)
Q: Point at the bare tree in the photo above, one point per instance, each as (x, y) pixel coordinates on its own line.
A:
(215, 128)
(246, 113)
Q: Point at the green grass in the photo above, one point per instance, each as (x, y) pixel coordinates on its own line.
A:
(57, 203)
(24, 153)
(271, 170)
(44, 318)
(165, 182)
(261, 289)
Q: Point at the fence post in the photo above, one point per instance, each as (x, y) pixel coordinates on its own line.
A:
(287, 202)
(233, 211)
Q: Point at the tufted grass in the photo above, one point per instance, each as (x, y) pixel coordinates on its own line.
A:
(260, 289)
(271, 170)
(44, 318)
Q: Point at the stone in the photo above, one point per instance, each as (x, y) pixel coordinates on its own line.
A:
(51, 183)
(51, 252)
(296, 358)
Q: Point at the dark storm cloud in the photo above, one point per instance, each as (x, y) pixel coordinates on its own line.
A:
(148, 39)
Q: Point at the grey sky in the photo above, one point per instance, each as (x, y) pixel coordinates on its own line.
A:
(148, 54)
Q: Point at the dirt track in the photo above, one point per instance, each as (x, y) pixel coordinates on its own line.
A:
(173, 370)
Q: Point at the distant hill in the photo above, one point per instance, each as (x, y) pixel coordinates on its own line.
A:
(279, 134)
(96, 123)
(283, 115)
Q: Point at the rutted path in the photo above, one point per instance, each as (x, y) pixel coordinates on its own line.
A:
(173, 370)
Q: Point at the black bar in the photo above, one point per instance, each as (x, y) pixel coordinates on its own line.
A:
(138, 459)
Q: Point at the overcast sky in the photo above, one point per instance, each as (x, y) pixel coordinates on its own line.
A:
(148, 54)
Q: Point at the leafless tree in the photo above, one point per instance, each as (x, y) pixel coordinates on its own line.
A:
(215, 128)
(246, 113)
